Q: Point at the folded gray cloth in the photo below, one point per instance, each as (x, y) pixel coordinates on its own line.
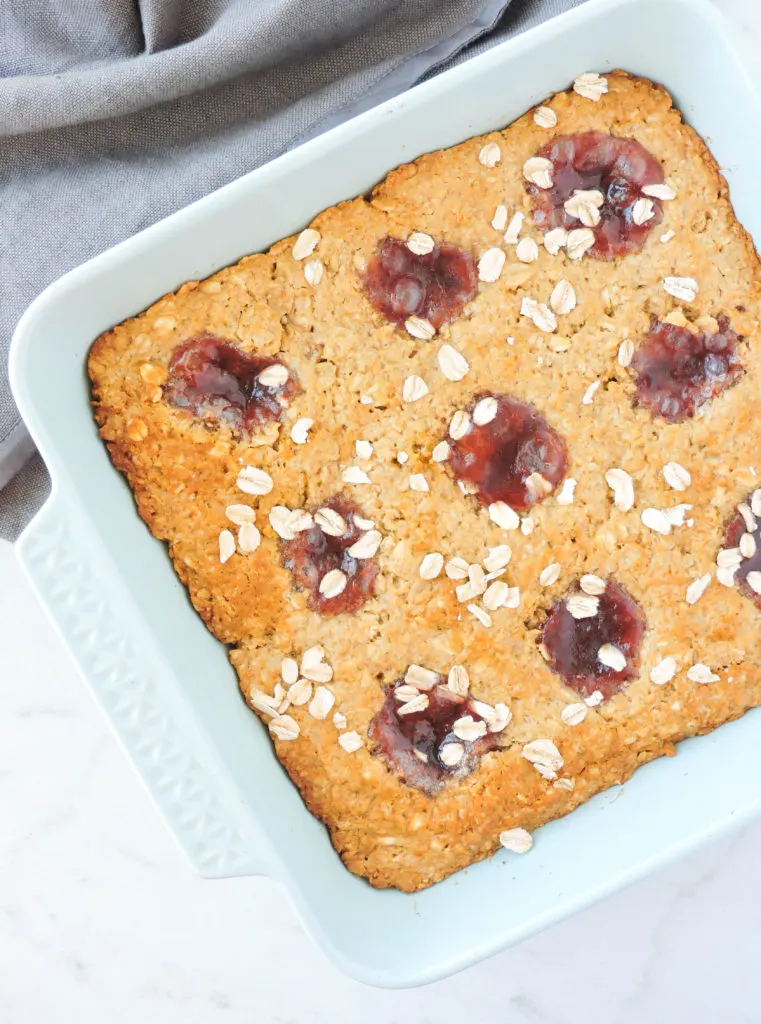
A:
(115, 113)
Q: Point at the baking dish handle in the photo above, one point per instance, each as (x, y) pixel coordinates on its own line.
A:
(68, 569)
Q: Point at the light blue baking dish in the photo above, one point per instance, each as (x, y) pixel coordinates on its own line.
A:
(110, 589)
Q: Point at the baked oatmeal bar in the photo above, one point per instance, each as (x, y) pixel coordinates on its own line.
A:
(464, 475)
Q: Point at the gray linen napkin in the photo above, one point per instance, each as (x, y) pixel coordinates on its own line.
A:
(115, 113)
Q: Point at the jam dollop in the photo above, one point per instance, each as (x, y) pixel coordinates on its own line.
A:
(315, 552)
(434, 286)
(416, 743)
(593, 641)
(619, 169)
(515, 456)
(749, 554)
(679, 369)
(213, 380)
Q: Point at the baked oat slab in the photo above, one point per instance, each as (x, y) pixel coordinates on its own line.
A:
(464, 475)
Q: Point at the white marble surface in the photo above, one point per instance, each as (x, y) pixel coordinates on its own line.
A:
(101, 921)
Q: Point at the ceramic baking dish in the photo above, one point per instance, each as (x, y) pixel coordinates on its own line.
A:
(165, 684)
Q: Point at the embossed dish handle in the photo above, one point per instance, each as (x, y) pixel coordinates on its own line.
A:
(68, 569)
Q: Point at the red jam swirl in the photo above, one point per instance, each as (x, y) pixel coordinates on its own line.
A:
(679, 370)
(434, 286)
(211, 379)
(313, 553)
(515, 457)
(416, 744)
(578, 648)
(617, 168)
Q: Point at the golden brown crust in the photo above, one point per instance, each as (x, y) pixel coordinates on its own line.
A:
(183, 476)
